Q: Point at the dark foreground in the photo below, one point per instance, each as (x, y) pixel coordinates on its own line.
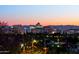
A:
(39, 43)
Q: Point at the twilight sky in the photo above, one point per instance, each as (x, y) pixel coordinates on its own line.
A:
(45, 14)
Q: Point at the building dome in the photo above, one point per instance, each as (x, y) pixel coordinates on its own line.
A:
(38, 24)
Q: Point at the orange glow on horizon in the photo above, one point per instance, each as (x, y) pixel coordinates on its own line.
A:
(48, 21)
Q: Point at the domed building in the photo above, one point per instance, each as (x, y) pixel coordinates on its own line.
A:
(38, 25)
(38, 28)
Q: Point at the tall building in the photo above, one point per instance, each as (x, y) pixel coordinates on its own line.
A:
(26, 28)
(18, 29)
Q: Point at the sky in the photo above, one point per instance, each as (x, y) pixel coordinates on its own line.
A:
(45, 14)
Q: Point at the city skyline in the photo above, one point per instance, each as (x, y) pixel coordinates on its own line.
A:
(46, 15)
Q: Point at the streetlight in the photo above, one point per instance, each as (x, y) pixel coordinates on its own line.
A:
(22, 45)
(23, 48)
(34, 41)
(45, 49)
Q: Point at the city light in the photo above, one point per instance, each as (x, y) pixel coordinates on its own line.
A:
(34, 41)
(38, 40)
(53, 32)
(22, 45)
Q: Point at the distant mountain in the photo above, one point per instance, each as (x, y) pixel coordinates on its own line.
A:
(64, 27)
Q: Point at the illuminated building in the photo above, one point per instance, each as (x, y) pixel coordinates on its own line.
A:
(50, 30)
(72, 31)
(18, 29)
(36, 28)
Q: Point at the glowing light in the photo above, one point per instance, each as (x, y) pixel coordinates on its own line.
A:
(34, 41)
(53, 32)
(58, 45)
(22, 45)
